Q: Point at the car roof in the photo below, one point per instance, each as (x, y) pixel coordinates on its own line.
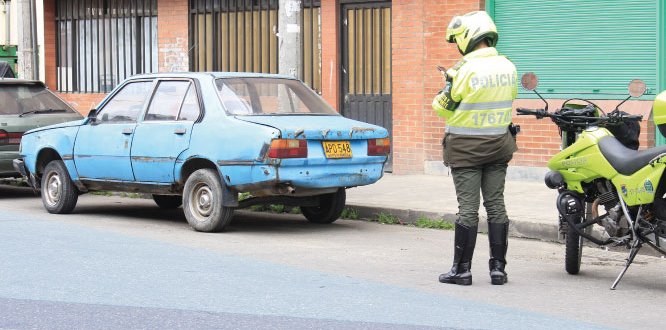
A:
(15, 81)
(215, 75)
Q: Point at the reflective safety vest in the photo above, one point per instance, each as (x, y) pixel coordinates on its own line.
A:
(484, 86)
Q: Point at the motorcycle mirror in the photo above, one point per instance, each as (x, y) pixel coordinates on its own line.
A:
(637, 88)
(529, 81)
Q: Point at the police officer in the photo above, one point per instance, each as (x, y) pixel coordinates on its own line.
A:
(478, 143)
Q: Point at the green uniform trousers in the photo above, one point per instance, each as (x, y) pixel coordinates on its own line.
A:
(489, 179)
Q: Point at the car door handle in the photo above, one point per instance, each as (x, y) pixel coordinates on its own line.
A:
(180, 131)
(128, 131)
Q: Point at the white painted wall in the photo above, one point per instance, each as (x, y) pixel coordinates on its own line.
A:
(13, 29)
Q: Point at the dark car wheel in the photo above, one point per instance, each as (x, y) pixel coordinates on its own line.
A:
(59, 194)
(168, 201)
(202, 202)
(330, 208)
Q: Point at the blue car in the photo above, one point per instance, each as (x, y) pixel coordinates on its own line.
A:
(201, 139)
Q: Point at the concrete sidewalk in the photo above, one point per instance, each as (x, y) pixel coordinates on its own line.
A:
(530, 204)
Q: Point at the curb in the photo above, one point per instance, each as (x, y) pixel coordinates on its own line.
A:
(518, 228)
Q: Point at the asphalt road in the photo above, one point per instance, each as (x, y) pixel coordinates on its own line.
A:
(124, 263)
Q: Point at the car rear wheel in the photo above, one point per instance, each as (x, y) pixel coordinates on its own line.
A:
(168, 201)
(330, 208)
(202, 202)
(59, 194)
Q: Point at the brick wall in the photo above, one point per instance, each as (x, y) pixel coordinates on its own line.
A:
(172, 35)
(330, 60)
(418, 33)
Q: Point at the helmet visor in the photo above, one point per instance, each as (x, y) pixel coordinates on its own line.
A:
(455, 27)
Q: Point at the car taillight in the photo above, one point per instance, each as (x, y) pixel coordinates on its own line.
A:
(288, 148)
(379, 147)
(7, 138)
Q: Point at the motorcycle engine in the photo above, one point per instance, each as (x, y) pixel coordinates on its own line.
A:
(614, 222)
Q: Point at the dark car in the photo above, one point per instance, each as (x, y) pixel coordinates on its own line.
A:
(25, 105)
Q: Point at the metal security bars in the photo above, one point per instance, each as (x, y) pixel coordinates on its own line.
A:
(99, 43)
(240, 36)
(311, 36)
(368, 33)
(232, 35)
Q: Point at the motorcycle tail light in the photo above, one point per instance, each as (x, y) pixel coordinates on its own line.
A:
(379, 147)
(288, 148)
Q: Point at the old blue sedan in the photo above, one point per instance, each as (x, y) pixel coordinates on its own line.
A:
(200, 139)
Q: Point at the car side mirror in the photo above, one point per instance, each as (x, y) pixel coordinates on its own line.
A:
(92, 116)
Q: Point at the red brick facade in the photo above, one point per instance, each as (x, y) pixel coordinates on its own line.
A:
(418, 29)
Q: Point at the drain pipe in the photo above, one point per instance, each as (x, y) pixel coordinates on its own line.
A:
(35, 42)
(7, 11)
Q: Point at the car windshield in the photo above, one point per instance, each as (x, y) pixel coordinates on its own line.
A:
(19, 99)
(270, 96)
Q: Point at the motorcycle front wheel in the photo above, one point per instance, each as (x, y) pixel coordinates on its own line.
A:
(574, 245)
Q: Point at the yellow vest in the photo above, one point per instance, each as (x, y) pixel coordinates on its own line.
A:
(485, 85)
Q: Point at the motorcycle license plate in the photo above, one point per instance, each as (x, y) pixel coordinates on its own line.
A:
(337, 149)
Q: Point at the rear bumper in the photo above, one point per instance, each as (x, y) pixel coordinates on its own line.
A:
(19, 167)
(308, 180)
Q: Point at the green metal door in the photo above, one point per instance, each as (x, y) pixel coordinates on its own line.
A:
(583, 48)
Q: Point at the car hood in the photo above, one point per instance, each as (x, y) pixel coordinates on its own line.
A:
(59, 125)
(319, 127)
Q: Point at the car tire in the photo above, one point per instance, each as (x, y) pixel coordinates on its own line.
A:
(59, 194)
(168, 201)
(202, 202)
(330, 208)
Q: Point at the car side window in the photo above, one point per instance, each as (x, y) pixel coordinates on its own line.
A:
(167, 101)
(190, 110)
(127, 104)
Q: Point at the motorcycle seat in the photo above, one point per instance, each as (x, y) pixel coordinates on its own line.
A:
(624, 160)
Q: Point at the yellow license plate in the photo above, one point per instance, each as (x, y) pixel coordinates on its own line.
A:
(337, 149)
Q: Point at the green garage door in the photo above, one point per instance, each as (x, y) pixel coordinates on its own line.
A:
(584, 48)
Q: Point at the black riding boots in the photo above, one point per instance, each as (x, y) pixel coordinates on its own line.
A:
(462, 259)
(498, 239)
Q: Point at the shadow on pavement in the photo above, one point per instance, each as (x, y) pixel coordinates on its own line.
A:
(243, 221)
(9, 192)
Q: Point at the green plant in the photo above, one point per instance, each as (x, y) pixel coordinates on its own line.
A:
(277, 208)
(101, 193)
(349, 213)
(243, 196)
(295, 210)
(258, 208)
(425, 222)
(387, 218)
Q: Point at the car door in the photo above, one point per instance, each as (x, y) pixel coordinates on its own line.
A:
(164, 132)
(103, 145)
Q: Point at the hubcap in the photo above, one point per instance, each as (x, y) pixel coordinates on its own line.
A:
(202, 201)
(53, 187)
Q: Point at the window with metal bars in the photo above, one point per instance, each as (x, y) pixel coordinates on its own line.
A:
(239, 36)
(99, 43)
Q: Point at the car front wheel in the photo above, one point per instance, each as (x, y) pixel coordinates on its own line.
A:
(59, 194)
(330, 208)
(168, 201)
(202, 202)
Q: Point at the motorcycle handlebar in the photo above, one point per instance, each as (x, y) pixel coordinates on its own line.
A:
(611, 118)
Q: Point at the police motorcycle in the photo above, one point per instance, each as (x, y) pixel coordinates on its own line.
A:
(609, 194)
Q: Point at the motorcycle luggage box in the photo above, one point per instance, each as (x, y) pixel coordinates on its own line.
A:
(659, 112)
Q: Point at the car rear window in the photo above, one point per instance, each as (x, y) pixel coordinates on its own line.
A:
(18, 99)
(269, 96)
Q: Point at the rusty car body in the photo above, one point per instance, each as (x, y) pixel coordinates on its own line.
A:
(201, 139)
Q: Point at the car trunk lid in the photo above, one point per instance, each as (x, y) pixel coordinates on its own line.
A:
(318, 127)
